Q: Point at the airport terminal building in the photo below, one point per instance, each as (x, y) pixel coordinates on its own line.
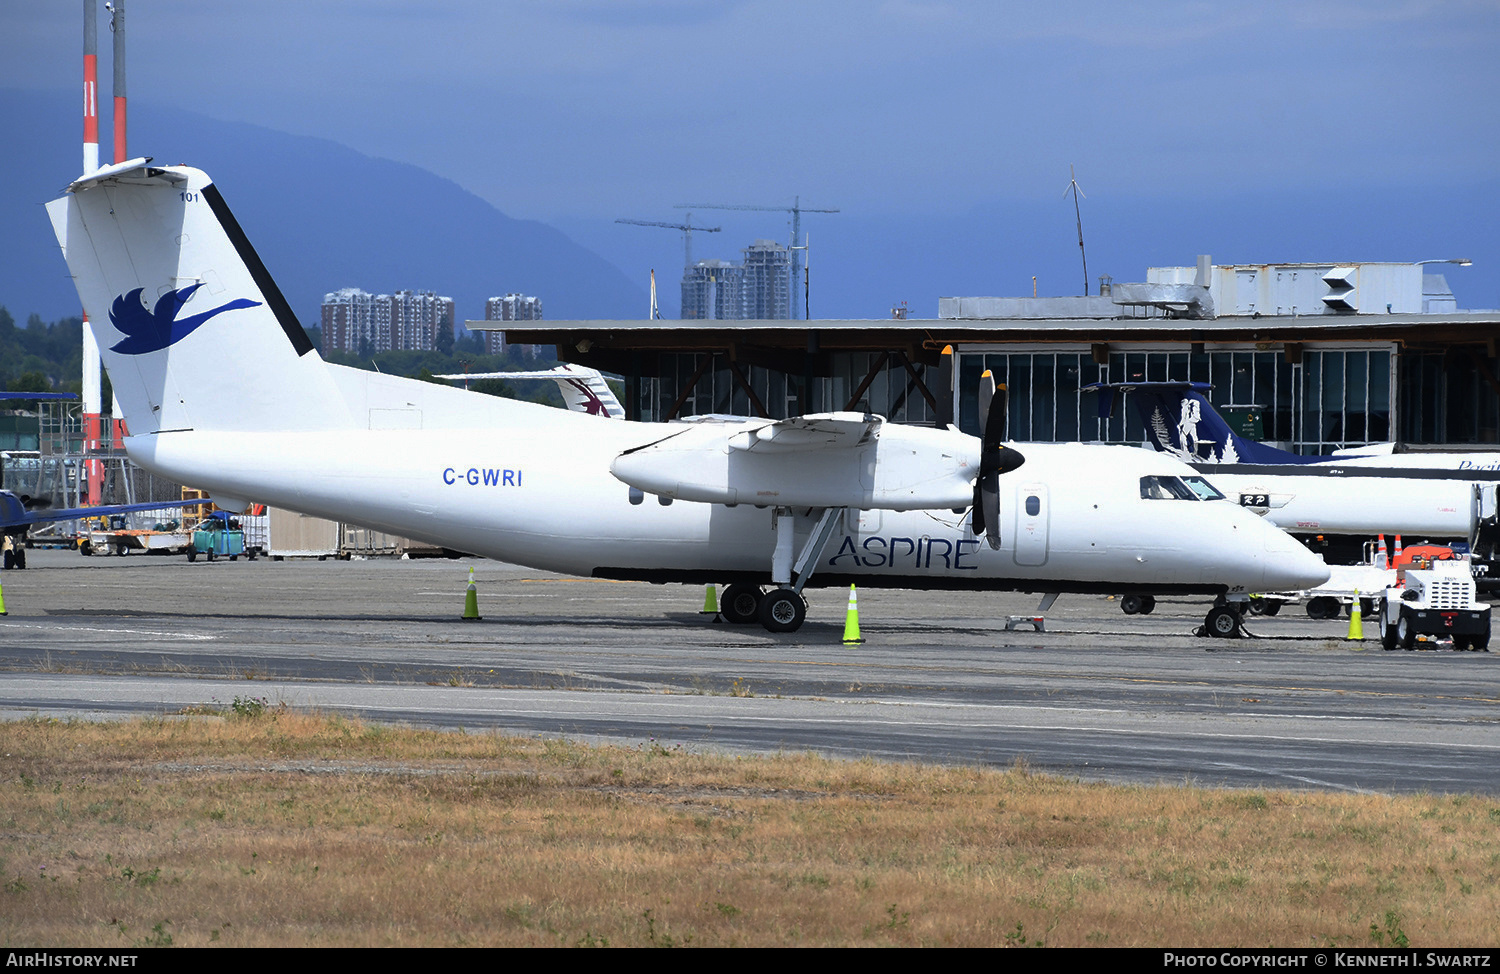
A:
(1313, 357)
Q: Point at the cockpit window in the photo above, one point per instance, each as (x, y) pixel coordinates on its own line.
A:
(1204, 489)
(1167, 489)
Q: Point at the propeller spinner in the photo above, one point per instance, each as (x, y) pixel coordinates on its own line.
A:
(994, 460)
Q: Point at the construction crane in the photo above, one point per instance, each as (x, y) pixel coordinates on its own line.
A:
(797, 246)
(687, 233)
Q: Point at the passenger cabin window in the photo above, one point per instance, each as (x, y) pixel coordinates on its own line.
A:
(1167, 489)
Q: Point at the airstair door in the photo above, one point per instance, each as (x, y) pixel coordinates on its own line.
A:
(1032, 513)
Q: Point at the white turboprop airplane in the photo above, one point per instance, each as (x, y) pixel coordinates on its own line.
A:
(222, 389)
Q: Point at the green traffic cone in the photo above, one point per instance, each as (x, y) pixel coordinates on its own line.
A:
(471, 601)
(851, 620)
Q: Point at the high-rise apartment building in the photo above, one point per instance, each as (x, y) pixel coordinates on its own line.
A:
(363, 323)
(512, 307)
(767, 268)
(714, 290)
(755, 288)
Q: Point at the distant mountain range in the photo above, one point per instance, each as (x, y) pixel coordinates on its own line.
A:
(324, 217)
(321, 215)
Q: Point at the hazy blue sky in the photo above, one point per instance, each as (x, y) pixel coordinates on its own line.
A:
(580, 112)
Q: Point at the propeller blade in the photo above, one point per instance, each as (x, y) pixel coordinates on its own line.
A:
(994, 459)
(986, 400)
(989, 506)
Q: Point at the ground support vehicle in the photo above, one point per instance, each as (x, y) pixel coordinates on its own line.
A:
(216, 535)
(1435, 600)
(113, 534)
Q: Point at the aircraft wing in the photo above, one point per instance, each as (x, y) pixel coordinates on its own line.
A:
(827, 431)
(824, 460)
(14, 514)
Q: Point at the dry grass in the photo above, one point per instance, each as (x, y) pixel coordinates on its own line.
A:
(285, 829)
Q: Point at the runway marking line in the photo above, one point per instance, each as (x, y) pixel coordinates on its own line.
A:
(193, 636)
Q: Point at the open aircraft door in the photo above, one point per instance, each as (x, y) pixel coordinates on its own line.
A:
(1032, 513)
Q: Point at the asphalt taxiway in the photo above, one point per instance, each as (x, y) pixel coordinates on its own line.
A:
(1099, 695)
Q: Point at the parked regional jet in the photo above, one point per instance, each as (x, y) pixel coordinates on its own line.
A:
(172, 282)
(583, 389)
(1360, 492)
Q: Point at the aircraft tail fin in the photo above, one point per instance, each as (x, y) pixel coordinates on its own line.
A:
(192, 329)
(1179, 420)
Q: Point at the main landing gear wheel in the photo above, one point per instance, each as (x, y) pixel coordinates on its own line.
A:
(741, 604)
(1222, 622)
(782, 610)
(1138, 604)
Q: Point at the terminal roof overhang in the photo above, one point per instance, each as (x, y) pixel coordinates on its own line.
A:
(611, 344)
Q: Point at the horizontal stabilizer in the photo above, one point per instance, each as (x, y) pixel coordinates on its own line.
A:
(14, 513)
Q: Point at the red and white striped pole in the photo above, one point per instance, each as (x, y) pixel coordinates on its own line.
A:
(92, 392)
(90, 85)
(117, 24)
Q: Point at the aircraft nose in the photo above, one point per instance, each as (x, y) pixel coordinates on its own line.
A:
(1288, 566)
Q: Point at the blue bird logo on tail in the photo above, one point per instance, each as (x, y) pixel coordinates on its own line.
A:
(150, 331)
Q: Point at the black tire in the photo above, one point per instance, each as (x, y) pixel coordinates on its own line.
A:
(1130, 604)
(1460, 644)
(1324, 607)
(1222, 622)
(212, 554)
(782, 610)
(85, 548)
(1388, 638)
(741, 604)
(192, 554)
(1480, 643)
(120, 548)
(20, 558)
(9, 560)
(1270, 606)
(1405, 634)
(1148, 604)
